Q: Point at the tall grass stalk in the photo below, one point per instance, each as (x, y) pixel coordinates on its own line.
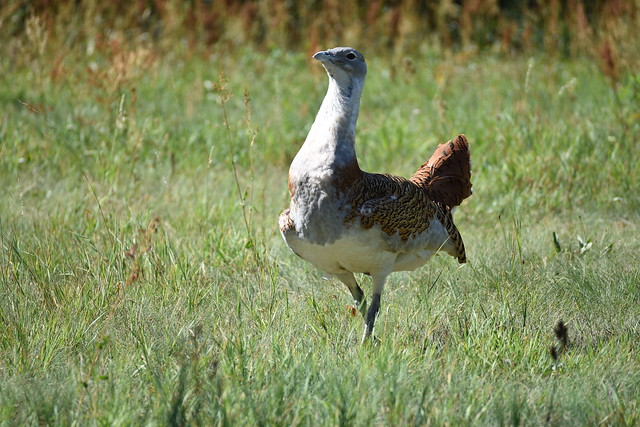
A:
(245, 196)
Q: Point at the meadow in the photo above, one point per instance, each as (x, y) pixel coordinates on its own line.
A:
(143, 279)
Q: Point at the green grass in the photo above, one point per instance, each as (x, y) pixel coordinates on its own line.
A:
(212, 320)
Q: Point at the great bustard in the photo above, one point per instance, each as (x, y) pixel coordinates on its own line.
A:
(344, 220)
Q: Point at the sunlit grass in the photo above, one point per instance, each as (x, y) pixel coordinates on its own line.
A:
(208, 320)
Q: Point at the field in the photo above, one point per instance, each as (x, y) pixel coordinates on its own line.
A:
(143, 279)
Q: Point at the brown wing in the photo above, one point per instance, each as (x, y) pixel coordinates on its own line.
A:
(400, 206)
(393, 202)
(447, 174)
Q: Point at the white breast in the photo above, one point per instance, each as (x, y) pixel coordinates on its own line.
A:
(370, 250)
(361, 251)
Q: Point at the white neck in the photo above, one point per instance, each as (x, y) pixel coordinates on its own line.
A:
(330, 142)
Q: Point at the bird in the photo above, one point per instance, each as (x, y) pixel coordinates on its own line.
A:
(344, 220)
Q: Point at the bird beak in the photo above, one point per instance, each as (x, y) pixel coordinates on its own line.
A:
(321, 56)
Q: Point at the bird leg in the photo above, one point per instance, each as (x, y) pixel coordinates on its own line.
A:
(371, 317)
(372, 313)
(362, 305)
(356, 291)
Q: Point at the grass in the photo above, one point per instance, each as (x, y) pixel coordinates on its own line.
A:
(133, 292)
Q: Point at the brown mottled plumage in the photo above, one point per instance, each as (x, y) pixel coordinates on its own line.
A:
(344, 220)
(437, 186)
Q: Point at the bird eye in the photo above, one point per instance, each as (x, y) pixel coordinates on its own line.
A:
(351, 56)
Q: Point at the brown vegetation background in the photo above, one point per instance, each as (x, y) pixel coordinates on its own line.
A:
(604, 29)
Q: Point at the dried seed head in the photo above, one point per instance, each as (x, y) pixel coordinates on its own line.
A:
(562, 334)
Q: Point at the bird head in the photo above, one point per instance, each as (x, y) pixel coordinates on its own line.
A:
(343, 64)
